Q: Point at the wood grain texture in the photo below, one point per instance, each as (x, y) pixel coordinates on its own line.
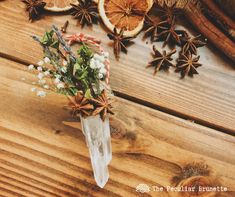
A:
(208, 98)
(43, 153)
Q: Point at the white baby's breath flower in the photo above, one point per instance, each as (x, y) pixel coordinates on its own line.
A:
(57, 76)
(63, 69)
(99, 64)
(31, 67)
(60, 85)
(103, 70)
(46, 73)
(39, 68)
(92, 63)
(99, 57)
(40, 63)
(47, 60)
(96, 56)
(102, 66)
(46, 86)
(40, 75)
(65, 63)
(57, 80)
(41, 93)
(33, 89)
(101, 75)
(42, 81)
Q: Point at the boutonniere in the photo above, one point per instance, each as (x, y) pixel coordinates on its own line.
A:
(82, 76)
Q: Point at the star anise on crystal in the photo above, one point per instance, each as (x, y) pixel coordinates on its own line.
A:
(191, 44)
(34, 8)
(120, 42)
(86, 12)
(161, 60)
(169, 33)
(187, 65)
(80, 105)
(168, 12)
(102, 105)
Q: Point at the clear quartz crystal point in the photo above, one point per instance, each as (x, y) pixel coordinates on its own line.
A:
(97, 133)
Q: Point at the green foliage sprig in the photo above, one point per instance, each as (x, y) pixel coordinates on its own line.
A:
(77, 74)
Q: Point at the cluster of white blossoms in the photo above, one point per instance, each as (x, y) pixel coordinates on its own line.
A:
(42, 75)
(98, 62)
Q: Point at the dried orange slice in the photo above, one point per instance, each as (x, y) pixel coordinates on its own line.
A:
(59, 5)
(150, 3)
(124, 14)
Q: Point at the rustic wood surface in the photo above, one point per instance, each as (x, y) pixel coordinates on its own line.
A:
(43, 151)
(208, 98)
(165, 132)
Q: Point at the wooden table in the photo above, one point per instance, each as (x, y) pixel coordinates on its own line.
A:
(166, 131)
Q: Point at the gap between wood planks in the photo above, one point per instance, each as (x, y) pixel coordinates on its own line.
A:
(153, 147)
(144, 103)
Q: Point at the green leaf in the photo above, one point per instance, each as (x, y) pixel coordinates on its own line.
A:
(77, 66)
(73, 91)
(85, 85)
(85, 53)
(55, 44)
(82, 74)
(44, 39)
(47, 39)
(88, 94)
(51, 33)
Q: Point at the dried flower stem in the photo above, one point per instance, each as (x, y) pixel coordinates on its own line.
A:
(63, 43)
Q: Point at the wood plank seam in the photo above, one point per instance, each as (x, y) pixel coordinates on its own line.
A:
(154, 146)
(146, 103)
(160, 92)
(174, 113)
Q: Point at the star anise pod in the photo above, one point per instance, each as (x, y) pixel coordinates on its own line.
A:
(161, 61)
(120, 42)
(191, 44)
(34, 8)
(169, 33)
(152, 27)
(187, 65)
(168, 13)
(80, 105)
(86, 12)
(102, 105)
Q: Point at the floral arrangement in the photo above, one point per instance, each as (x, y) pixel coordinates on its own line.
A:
(83, 77)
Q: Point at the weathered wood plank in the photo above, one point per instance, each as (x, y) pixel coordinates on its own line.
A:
(26, 186)
(40, 141)
(209, 98)
(56, 187)
(9, 193)
(17, 189)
